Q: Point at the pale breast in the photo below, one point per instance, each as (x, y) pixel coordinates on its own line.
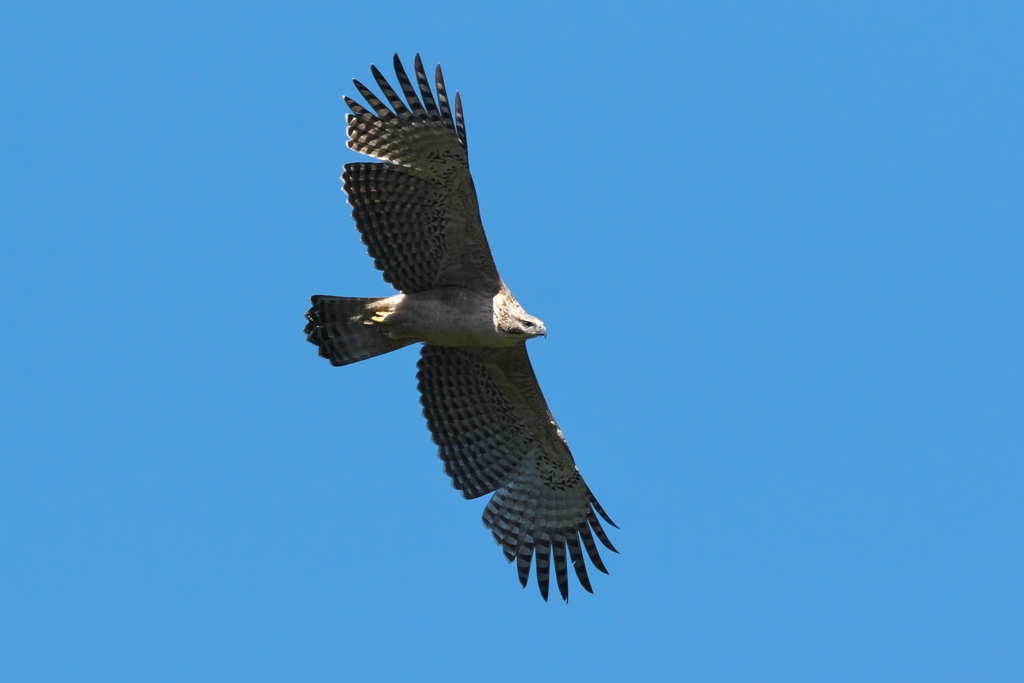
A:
(448, 316)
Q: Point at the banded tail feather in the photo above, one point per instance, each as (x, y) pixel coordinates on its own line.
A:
(345, 330)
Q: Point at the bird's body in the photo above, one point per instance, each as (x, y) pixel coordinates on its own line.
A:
(417, 213)
(450, 316)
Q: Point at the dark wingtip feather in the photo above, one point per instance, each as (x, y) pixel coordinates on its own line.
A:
(543, 550)
(356, 108)
(425, 92)
(410, 93)
(578, 564)
(596, 526)
(382, 111)
(396, 102)
(460, 121)
(561, 568)
(442, 98)
(523, 566)
(591, 548)
(600, 511)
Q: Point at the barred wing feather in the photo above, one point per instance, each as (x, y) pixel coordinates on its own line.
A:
(417, 212)
(488, 416)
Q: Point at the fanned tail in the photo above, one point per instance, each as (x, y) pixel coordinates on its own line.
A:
(345, 329)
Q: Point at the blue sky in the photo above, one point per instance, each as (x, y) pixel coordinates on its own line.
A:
(778, 248)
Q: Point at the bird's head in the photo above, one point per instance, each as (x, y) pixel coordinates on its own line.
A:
(513, 322)
(527, 326)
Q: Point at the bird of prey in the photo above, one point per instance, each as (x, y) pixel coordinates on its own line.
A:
(417, 214)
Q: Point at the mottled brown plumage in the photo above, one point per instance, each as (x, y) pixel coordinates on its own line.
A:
(417, 213)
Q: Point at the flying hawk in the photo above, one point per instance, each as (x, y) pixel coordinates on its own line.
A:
(417, 214)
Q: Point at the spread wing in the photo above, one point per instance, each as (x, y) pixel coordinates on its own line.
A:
(417, 212)
(487, 414)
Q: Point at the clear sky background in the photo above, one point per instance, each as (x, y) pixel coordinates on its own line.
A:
(778, 248)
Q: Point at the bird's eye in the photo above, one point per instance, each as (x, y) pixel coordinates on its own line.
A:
(527, 323)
